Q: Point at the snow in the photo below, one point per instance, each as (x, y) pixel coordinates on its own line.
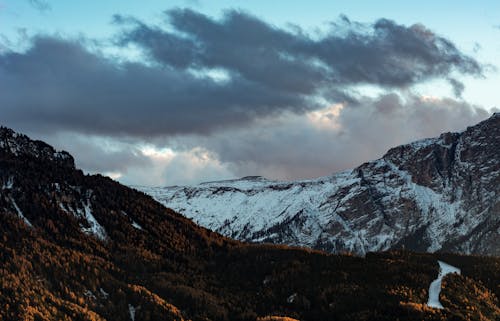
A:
(131, 310)
(435, 287)
(137, 226)
(423, 143)
(439, 211)
(255, 203)
(89, 294)
(9, 183)
(249, 209)
(104, 293)
(292, 298)
(20, 213)
(245, 183)
(134, 223)
(370, 208)
(62, 207)
(95, 228)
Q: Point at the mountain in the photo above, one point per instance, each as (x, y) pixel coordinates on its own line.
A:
(437, 194)
(81, 247)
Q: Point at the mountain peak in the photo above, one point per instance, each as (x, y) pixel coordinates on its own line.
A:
(19, 145)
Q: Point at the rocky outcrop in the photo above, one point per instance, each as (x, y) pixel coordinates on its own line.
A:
(19, 145)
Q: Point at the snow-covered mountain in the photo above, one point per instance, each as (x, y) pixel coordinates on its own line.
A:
(434, 194)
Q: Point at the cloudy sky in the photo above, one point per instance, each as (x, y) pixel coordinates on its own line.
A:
(178, 92)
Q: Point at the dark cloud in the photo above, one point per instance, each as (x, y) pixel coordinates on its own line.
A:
(206, 74)
(383, 53)
(40, 5)
(58, 85)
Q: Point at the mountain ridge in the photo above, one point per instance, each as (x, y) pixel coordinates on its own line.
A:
(416, 196)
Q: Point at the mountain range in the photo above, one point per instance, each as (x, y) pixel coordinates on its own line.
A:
(84, 247)
(436, 194)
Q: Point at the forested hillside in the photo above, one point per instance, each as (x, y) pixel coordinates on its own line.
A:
(80, 247)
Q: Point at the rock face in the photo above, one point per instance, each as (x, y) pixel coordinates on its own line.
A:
(437, 194)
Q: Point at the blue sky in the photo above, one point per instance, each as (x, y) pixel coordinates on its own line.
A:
(255, 142)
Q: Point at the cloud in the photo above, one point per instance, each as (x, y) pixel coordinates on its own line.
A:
(457, 86)
(335, 138)
(40, 5)
(58, 85)
(383, 53)
(205, 75)
(136, 162)
(234, 96)
(98, 154)
(288, 146)
(190, 167)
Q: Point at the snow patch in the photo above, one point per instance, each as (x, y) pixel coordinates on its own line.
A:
(438, 210)
(134, 223)
(9, 183)
(435, 287)
(95, 228)
(104, 293)
(20, 213)
(62, 207)
(137, 226)
(292, 298)
(89, 294)
(131, 311)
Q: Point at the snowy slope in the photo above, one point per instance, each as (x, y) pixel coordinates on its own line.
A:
(435, 287)
(435, 194)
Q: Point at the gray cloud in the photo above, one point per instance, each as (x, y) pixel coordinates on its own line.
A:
(288, 146)
(293, 147)
(457, 86)
(383, 53)
(98, 154)
(59, 85)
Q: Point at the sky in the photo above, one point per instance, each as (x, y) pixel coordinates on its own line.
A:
(164, 93)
